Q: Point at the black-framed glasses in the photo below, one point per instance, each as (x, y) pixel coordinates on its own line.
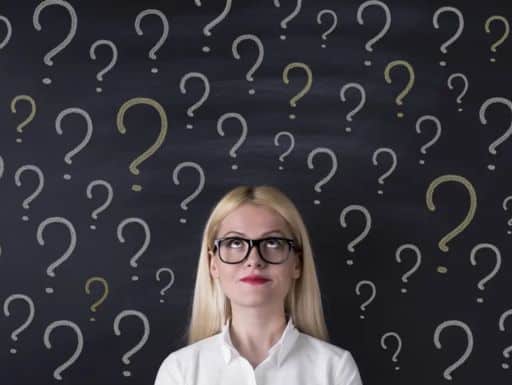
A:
(274, 250)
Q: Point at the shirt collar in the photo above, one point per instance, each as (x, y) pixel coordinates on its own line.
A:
(277, 352)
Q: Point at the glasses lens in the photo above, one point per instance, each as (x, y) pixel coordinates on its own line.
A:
(274, 250)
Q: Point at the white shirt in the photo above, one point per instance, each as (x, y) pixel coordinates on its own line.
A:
(296, 359)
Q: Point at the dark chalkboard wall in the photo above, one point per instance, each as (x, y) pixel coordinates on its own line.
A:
(386, 123)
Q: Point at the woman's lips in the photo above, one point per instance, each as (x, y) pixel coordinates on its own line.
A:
(255, 281)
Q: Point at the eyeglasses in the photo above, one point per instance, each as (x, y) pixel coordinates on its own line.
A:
(274, 250)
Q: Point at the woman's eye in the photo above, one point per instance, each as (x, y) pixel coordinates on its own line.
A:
(234, 243)
(273, 243)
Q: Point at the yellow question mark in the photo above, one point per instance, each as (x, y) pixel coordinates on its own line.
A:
(102, 298)
(307, 87)
(29, 99)
(409, 85)
(505, 34)
(151, 150)
(469, 216)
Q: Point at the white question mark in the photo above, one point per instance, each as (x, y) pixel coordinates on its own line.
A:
(384, 30)
(334, 22)
(417, 252)
(372, 296)
(199, 188)
(334, 167)
(40, 178)
(206, 93)
(364, 233)
(240, 141)
(469, 348)
(508, 349)
(398, 348)
(165, 33)
(171, 282)
(505, 202)
(207, 29)
(259, 59)
(292, 145)
(464, 90)
(393, 165)
(437, 123)
(79, 347)
(358, 108)
(72, 31)
(92, 54)
(28, 321)
(108, 201)
(494, 271)
(460, 27)
(285, 21)
(147, 239)
(7, 37)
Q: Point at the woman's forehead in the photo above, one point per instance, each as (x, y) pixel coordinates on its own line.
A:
(250, 218)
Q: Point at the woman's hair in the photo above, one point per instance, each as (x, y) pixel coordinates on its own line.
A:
(211, 308)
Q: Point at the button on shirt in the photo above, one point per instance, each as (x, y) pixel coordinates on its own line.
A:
(296, 359)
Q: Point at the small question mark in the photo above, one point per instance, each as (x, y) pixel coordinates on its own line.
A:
(410, 83)
(147, 239)
(305, 89)
(398, 347)
(92, 54)
(152, 149)
(460, 27)
(259, 59)
(464, 90)
(171, 282)
(40, 177)
(508, 349)
(199, 103)
(334, 22)
(412, 270)
(437, 123)
(72, 31)
(364, 233)
(79, 347)
(505, 202)
(207, 29)
(292, 145)
(104, 283)
(165, 33)
(108, 201)
(143, 340)
(334, 167)
(358, 108)
(285, 21)
(7, 37)
(385, 29)
(240, 141)
(469, 347)
(494, 271)
(197, 191)
(29, 118)
(28, 321)
(488, 30)
(372, 296)
(393, 164)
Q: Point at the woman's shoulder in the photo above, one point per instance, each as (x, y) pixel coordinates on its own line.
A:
(326, 350)
(189, 352)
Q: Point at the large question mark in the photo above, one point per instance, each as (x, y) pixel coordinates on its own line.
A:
(197, 191)
(37, 191)
(357, 108)
(206, 93)
(305, 89)
(413, 269)
(78, 350)
(494, 271)
(72, 31)
(464, 90)
(103, 297)
(152, 149)
(29, 118)
(437, 123)
(145, 245)
(364, 233)
(469, 348)
(85, 140)
(393, 163)
(488, 30)
(483, 119)
(469, 216)
(398, 347)
(165, 33)
(372, 296)
(259, 59)
(92, 54)
(284, 22)
(7, 37)
(380, 35)
(460, 27)
(410, 82)
(243, 136)
(171, 282)
(334, 167)
(505, 202)
(334, 22)
(207, 29)
(508, 349)
(290, 148)
(110, 194)
(71, 247)
(143, 340)
(28, 321)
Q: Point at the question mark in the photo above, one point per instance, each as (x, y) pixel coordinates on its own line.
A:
(259, 59)
(165, 23)
(171, 282)
(417, 252)
(206, 93)
(40, 177)
(469, 347)
(29, 118)
(460, 27)
(147, 239)
(207, 29)
(285, 21)
(385, 29)
(28, 321)
(74, 22)
(488, 277)
(92, 54)
(151, 150)
(7, 37)
(372, 296)
(334, 22)
(334, 167)
(405, 91)
(196, 192)
(103, 207)
(364, 233)
(508, 349)
(488, 30)
(398, 348)
(95, 305)
(305, 89)
(505, 202)
(393, 164)
(464, 90)
(143, 340)
(362, 92)
(292, 145)
(437, 123)
(243, 123)
(79, 348)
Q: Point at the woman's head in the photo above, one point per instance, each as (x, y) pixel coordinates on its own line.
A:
(253, 213)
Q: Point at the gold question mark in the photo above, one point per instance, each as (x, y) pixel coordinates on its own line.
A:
(102, 298)
(305, 89)
(505, 34)
(30, 117)
(151, 150)
(405, 91)
(469, 216)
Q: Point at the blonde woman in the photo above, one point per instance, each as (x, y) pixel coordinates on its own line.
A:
(257, 316)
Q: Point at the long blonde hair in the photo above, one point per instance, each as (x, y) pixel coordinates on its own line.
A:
(211, 308)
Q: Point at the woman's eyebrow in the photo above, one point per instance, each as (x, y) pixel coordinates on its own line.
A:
(239, 233)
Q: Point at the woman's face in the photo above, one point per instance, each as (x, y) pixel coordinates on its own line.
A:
(254, 222)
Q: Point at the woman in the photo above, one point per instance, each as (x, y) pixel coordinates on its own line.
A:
(257, 314)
